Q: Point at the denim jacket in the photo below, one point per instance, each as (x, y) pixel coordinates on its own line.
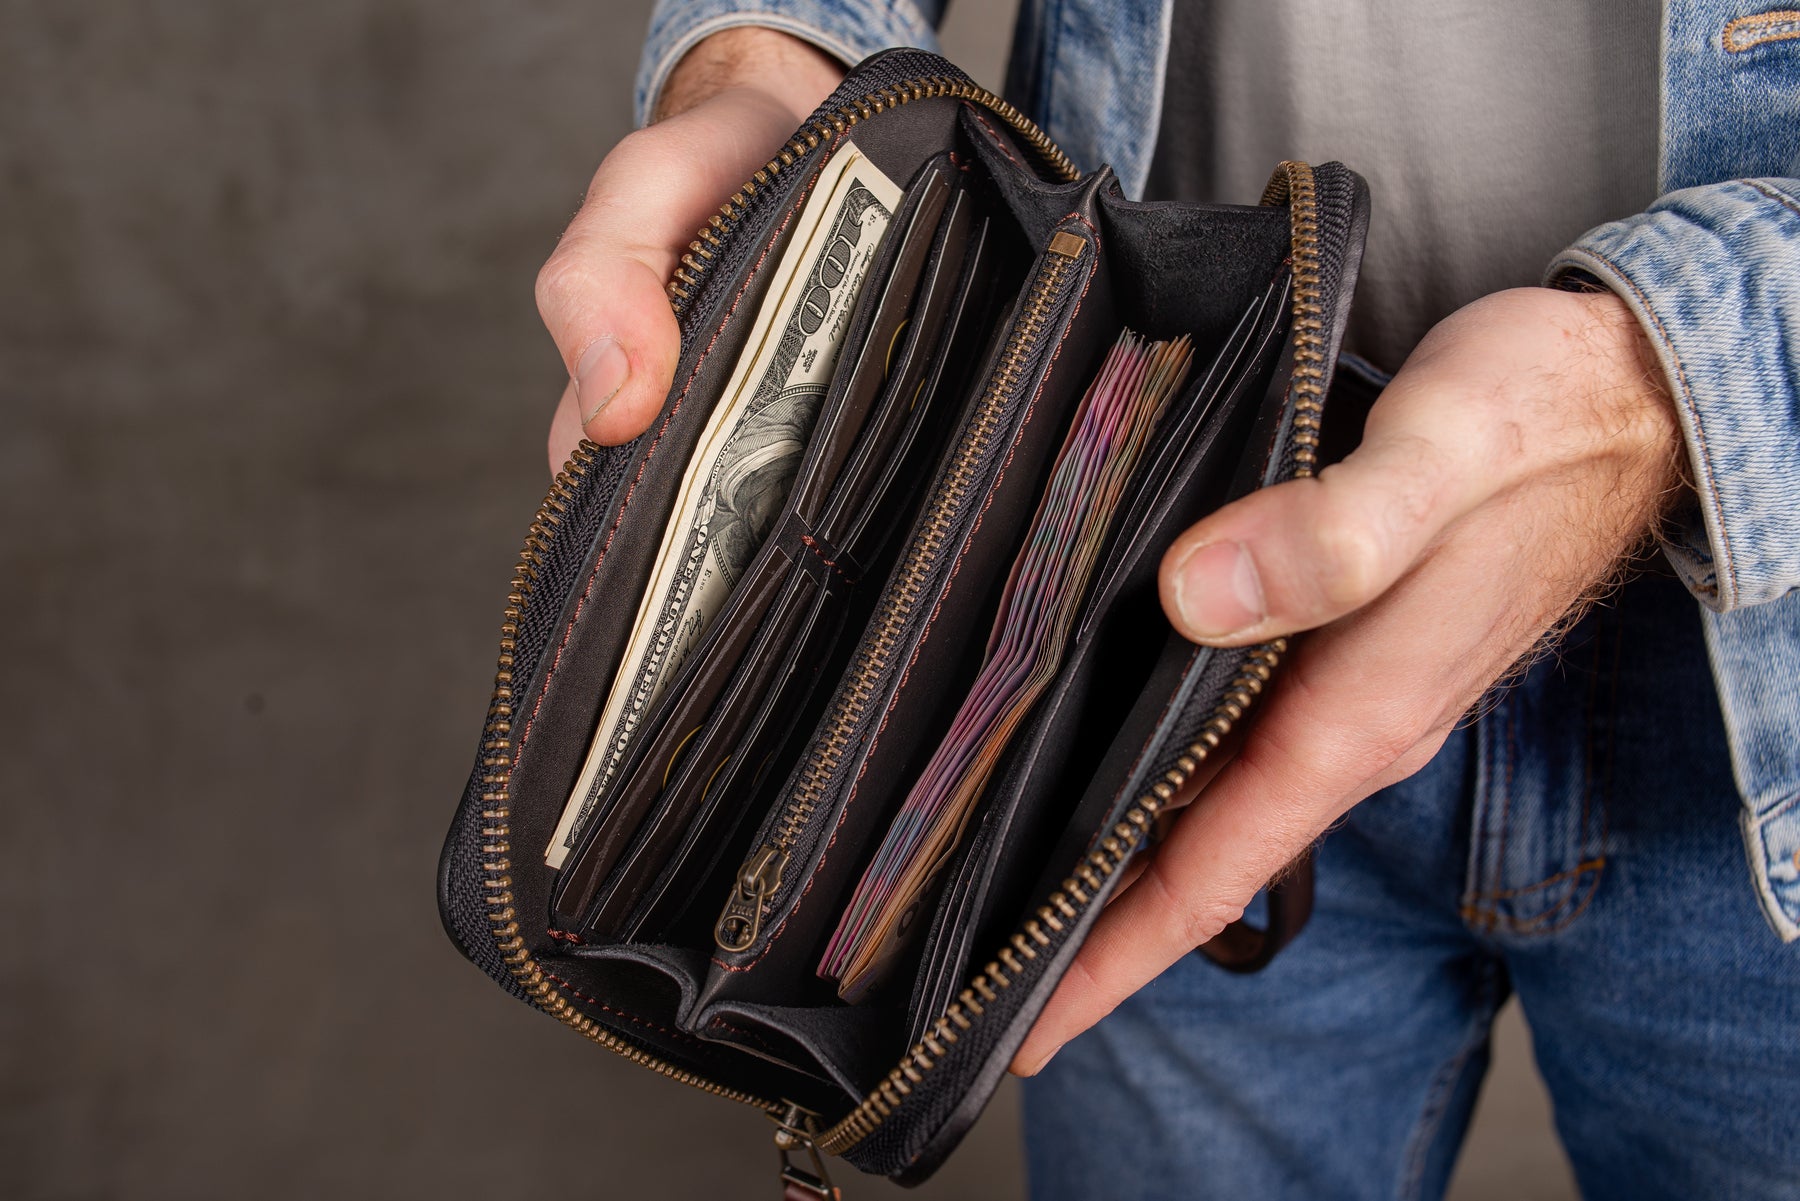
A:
(1712, 270)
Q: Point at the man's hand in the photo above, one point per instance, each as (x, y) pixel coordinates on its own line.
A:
(1520, 454)
(727, 108)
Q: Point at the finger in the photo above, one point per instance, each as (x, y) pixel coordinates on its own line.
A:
(565, 429)
(1303, 553)
(602, 293)
(1360, 705)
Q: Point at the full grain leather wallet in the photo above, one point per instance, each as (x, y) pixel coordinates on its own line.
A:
(720, 843)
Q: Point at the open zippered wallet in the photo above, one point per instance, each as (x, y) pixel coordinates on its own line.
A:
(830, 708)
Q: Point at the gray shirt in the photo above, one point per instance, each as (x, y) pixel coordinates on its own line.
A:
(1491, 134)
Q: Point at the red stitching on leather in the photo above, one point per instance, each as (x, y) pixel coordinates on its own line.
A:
(875, 738)
(812, 544)
(1003, 143)
(633, 1018)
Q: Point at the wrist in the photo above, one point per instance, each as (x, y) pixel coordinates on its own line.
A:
(792, 72)
(1636, 411)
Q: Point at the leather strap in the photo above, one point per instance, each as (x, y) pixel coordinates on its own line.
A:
(1242, 947)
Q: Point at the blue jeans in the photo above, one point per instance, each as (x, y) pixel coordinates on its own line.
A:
(1577, 845)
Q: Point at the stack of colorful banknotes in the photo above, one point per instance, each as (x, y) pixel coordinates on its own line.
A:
(1039, 608)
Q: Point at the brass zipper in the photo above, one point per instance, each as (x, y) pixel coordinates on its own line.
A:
(1293, 184)
(702, 251)
(741, 921)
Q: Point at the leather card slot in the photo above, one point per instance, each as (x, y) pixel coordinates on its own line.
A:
(701, 799)
(951, 327)
(561, 703)
(617, 823)
(855, 390)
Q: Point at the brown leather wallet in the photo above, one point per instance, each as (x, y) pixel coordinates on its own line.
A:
(685, 923)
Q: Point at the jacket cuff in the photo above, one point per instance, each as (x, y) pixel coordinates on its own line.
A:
(1713, 274)
(847, 32)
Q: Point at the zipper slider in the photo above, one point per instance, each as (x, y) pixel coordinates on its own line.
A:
(742, 920)
(794, 1131)
(1065, 245)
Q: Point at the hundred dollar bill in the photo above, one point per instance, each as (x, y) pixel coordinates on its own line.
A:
(746, 459)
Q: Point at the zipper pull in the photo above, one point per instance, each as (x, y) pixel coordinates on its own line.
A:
(742, 920)
(794, 1132)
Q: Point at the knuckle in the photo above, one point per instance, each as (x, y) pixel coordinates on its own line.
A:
(562, 283)
(1350, 558)
(1389, 743)
(1191, 917)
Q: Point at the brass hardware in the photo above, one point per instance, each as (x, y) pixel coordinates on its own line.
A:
(741, 921)
(795, 1129)
(1067, 245)
(1292, 183)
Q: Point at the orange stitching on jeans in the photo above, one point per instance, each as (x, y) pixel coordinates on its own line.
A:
(1535, 924)
(1746, 33)
(1500, 894)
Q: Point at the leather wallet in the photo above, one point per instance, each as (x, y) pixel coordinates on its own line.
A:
(685, 922)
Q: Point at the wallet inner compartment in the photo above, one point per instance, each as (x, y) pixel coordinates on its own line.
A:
(1159, 271)
(1055, 754)
(561, 703)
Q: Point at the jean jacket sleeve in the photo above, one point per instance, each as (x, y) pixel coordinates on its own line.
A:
(1713, 273)
(848, 30)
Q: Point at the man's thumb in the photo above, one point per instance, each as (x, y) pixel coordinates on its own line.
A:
(1300, 554)
(604, 303)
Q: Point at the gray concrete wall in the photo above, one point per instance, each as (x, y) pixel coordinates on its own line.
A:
(274, 396)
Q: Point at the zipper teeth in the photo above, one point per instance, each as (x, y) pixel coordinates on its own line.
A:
(1292, 183)
(898, 608)
(707, 244)
(496, 812)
